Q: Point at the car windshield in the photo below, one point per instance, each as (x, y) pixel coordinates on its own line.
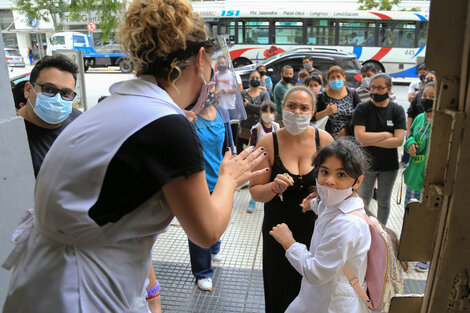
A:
(58, 40)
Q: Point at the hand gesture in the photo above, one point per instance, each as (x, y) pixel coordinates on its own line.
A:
(305, 205)
(282, 182)
(283, 235)
(412, 149)
(239, 169)
(331, 109)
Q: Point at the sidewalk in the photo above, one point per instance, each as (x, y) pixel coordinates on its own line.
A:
(238, 278)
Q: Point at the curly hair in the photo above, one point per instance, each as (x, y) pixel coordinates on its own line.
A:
(153, 33)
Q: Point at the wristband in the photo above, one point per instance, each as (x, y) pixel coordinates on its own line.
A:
(154, 291)
(272, 189)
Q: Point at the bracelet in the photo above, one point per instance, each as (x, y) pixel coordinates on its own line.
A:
(154, 291)
(272, 189)
(154, 296)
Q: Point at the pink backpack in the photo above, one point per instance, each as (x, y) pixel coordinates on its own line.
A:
(383, 269)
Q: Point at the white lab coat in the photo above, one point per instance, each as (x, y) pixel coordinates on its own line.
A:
(338, 238)
(63, 261)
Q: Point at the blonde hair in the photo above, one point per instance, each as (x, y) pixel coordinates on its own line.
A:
(153, 29)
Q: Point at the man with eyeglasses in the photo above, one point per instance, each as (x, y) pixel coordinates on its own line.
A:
(49, 94)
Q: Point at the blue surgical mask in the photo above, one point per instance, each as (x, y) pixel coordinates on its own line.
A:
(52, 110)
(307, 66)
(336, 84)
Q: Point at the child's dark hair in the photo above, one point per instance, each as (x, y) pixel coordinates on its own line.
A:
(315, 77)
(354, 158)
(270, 105)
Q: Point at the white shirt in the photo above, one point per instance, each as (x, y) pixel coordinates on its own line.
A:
(338, 238)
(226, 81)
(414, 86)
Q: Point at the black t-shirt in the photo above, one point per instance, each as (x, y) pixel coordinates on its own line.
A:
(148, 160)
(377, 119)
(41, 139)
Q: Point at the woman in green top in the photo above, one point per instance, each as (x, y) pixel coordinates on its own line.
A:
(417, 145)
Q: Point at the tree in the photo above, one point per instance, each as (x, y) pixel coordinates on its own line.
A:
(383, 5)
(109, 12)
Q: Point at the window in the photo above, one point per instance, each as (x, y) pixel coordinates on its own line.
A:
(227, 28)
(288, 32)
(253, 32)
(58, 40)
(422, 34)
(321, 32)
(79, 41)
(356, 33)
(397, 34)
(211, 29)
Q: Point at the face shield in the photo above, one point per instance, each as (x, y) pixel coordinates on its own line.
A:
(227, 92)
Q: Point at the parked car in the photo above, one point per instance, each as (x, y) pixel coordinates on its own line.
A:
(14, 57)
(323, 59)
(19, 78)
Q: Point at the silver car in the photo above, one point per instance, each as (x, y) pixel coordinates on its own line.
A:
(14, 57)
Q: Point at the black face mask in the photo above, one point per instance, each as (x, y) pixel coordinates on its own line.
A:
(422, 77)
(222, 68)
(427, 104)
(262, 73)
(287, 80)
(254, 83)
(379, 98)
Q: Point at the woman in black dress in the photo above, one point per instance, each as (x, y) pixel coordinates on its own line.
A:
(290, 153)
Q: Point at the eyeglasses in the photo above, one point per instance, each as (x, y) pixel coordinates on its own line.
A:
(381, 88)
(51, 91)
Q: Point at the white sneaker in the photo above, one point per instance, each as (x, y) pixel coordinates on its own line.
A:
(216, 257)
(205, 284)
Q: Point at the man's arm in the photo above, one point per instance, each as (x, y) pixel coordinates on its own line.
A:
(370, 138)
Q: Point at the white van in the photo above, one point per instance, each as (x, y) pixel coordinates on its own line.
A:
(70, 40)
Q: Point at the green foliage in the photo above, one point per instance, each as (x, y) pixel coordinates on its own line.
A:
(383, 5)
(108, 11)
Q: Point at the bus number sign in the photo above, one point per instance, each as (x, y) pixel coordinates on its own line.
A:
(230, 13)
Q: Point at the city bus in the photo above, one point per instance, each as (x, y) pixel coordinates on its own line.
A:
(394, 41)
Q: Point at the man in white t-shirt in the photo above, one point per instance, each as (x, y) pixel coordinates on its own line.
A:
(416, 85)
(226, 84)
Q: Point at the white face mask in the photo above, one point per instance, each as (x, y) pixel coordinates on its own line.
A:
(366, 82)
(331, 197)
(267, 117)
(295, 123)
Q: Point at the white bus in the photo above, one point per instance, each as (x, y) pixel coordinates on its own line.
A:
(394, 41)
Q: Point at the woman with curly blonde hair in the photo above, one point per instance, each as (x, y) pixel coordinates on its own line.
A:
(121, 172)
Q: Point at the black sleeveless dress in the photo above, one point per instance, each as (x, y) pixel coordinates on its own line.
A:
(281, 280)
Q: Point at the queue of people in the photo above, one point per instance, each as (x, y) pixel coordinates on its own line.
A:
(94, 222)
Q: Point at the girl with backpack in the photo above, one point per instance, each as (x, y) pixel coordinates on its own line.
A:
(338, 237)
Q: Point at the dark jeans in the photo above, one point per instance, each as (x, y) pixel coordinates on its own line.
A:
(201, 259)
(405, 158)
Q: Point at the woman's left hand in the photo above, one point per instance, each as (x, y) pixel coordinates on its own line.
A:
(283, 235)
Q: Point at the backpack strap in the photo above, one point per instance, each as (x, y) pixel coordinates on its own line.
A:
(354, 281)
